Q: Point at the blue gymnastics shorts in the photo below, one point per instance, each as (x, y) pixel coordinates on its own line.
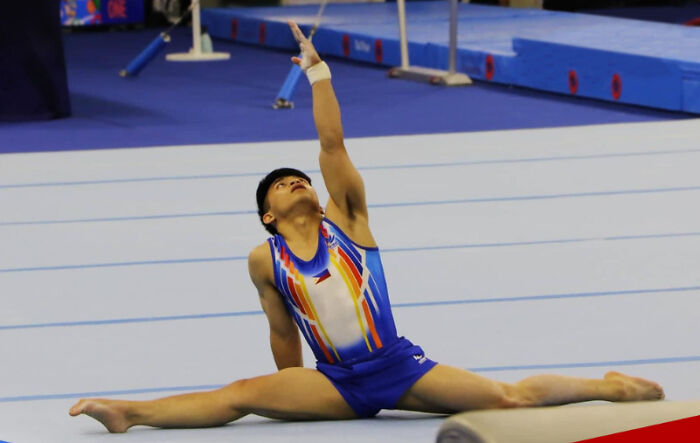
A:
(378, 381)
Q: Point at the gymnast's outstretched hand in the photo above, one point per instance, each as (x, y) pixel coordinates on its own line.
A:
(309, 56)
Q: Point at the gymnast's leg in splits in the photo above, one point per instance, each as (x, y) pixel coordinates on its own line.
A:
(306, 394)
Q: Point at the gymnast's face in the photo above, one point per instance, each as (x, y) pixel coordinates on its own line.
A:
(290, 193)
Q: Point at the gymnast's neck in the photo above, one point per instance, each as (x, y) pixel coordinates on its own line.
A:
(301, 233)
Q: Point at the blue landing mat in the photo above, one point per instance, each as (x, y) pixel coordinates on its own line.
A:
(642, 63)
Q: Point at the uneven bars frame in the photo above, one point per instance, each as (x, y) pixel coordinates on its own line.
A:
(433, 76)
(195, 54)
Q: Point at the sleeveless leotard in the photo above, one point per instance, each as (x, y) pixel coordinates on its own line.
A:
(339, 298)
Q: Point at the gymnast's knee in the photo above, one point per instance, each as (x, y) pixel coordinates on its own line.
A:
(516, 396)
(246, 394)
(237, 394)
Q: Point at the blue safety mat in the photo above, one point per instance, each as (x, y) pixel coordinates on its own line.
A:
(612, 59)
(229, 101)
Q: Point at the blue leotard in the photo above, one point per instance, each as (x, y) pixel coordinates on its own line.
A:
(339, 298)
(340, 302)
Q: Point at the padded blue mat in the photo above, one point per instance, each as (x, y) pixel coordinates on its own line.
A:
(612, 59)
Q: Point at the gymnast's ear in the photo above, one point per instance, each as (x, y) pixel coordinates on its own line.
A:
(268, 218)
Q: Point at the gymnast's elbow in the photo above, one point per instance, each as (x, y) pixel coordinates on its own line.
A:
(332, 141)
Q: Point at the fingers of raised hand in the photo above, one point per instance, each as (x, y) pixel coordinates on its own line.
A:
(296, 32)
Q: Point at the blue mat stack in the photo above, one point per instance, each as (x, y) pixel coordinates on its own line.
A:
(642, 63)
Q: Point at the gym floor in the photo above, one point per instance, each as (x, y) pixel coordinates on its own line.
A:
(556, 235)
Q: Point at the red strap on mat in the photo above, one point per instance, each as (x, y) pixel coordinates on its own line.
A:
(686, 430)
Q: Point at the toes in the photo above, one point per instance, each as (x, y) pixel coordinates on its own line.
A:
(77, 408)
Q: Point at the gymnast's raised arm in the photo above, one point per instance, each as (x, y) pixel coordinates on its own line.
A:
(347, 205)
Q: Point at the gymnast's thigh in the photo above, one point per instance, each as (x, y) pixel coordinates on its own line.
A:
(291, 394)
(446, 390)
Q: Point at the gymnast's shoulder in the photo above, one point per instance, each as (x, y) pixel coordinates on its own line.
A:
(260, 264)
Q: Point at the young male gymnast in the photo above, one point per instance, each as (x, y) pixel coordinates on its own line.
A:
(321, 274)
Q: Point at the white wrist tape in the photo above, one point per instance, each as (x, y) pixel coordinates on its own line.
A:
(319, 71)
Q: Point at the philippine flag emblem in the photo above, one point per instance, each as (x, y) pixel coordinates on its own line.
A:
(322, 276)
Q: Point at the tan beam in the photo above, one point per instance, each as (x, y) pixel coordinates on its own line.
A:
(561, 423)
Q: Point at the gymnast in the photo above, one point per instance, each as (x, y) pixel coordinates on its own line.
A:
(321, 274)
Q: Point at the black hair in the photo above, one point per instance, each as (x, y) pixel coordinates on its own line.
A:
(264, 186)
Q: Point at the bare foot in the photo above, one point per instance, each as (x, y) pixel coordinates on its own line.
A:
(635, 388)
(111, 413)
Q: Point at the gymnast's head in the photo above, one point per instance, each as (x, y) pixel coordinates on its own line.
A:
(285, 193)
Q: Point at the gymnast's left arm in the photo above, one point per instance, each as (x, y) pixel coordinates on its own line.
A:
(342, 180)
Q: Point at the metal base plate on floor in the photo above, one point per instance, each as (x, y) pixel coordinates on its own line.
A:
(432, 76)
(282, 103)
(194, 57)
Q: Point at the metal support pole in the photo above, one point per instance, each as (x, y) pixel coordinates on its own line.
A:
(454, 13)
(196, 29)
(402, 32)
